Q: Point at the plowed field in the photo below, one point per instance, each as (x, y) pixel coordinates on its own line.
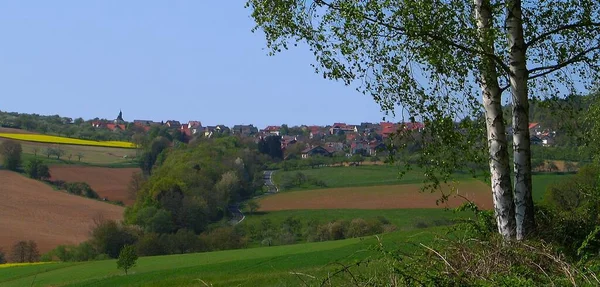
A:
(31, 210)
(107, 182)
(376, 197)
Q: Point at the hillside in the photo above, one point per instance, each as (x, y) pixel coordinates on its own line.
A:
(32, 210)
(110, 183)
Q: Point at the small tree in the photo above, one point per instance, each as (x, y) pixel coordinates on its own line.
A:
(48, 152)
(11, 154)
(127, 258)
(35, 151)
(253, 206)
(79, 156)
(58, 152)
(70, 156)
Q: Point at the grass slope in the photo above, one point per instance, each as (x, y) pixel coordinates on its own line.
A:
(403, 219)
(92, 155)
(265, 266)
(355, 176)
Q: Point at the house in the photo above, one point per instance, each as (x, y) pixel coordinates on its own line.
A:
(350, 137)
(173, 124)
(534, 128)
(334, 146)
(535, 140)
(185, 129)
(367, 148)
(413, 126)
(376, 146)
(209, 131)
(386, 129)
(115, 127)
(359, 147)
(244, 130)
(288, 140)
(315, 132)
(145, 123)
(272, 130)
(194, 127)
(315, 151)
(339, 128)
(98, 124)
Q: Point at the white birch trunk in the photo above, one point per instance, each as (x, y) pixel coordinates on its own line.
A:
(520, 109)
(496, 130)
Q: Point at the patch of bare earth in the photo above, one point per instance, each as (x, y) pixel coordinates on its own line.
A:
(111, 183)
(14, 131)
(32, 210)
(376, 197)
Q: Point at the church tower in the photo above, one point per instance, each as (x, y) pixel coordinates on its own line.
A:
(119, 119)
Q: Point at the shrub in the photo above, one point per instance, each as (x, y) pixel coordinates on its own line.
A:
(36, 169)
(223, 238)
(150, 244)
(2, 257)
(358, 227)
(81, 188)
(109, 237)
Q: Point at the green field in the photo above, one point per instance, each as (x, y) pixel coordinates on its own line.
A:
(265, 266)
(389, 175)
(92, 155)
(366, 175)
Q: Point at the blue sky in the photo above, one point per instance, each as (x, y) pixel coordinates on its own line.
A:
(160, 60)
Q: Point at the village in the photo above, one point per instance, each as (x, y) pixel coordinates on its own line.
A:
(339, 139)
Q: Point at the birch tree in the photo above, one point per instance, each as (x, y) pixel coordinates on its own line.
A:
(439, 61)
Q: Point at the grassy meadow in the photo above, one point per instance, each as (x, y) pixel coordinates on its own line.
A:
(264, 266)
(92, 155)
(374, 175)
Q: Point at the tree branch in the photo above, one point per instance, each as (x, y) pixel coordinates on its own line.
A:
(559, 29)
(550, 69)
(403, 31)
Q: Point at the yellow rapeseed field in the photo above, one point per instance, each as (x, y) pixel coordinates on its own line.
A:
(22, 264)
(63, 140)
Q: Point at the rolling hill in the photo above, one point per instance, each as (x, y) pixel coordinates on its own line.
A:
(32, 210)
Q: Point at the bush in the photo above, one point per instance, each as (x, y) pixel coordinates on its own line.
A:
(82, 189)
(2, 257)
(150, 244)
(223, 238)
(36, 169)
(109, 237)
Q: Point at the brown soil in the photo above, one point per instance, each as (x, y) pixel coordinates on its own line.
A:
(111, 183)
(376, 197)
(32, 210)
(14, 131)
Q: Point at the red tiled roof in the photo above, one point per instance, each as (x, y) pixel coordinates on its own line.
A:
(272, 128)
(533, 125)
(113, 127)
